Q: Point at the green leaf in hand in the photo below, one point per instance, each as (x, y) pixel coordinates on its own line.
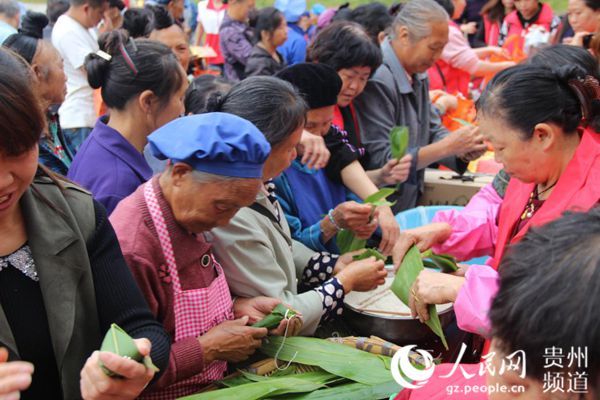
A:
(410, 268)
(273, 320)
(117, 341)
(369, 253)
(399, 141)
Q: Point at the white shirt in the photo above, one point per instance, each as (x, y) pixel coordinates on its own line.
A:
(210, 19)
(74, 42)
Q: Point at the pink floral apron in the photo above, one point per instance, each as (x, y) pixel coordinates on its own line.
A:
(196, 310)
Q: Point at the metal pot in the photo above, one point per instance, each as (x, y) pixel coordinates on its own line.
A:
(399, 329)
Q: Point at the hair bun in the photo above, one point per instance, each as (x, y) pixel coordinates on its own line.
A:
(110, 42)
(215, 102)
(33, 24)
(568, 72)
(162, 17)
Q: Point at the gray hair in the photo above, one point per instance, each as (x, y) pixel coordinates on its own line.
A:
(205, 177)
(417, 16)
(10, 8)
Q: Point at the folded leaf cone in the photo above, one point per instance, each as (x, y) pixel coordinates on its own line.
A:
(273, 320)
(118, 342)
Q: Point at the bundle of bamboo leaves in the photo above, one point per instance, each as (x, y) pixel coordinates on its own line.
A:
(336, 371)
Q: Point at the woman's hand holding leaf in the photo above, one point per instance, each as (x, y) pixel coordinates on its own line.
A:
(363, 275)
(432, 288)
(133, 376)
(396, 171)
(424, 237)
(352, 215)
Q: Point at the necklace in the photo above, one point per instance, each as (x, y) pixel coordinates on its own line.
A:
(530, 207)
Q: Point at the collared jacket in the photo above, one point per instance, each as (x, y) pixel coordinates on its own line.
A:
(260, 258)
(87, 288)
(389, 100)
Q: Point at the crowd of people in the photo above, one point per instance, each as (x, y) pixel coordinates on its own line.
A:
(184, 196)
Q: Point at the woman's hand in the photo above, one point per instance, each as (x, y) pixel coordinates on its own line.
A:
(15, 376)
(95, 384)
(390, 230)
(315, 154)
(465, 140)
(395, 171)
(469, 28)
(256, 308)
(362, 275)
(432, 288)
(355, 217)
(231, 341)
(424, 237)
(577, 40)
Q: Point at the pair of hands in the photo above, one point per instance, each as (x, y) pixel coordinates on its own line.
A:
(429, 287)
(362, 220)
(235, 340)
(15, 376)
(466, 142)
(361, 276)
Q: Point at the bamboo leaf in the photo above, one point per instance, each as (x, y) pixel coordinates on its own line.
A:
(399, 141)
(258, 390)
(382, 194)
(273, 320)
(369, 253)
(117, 341)
(410, 268)
(350, 391)
(334, 358)
(462, 122)
(345, 239)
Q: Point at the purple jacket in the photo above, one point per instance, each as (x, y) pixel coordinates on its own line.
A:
(235, 39)
(109, 166)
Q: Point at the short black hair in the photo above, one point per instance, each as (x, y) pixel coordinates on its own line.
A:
(268, 19)
(549, 294)
(374, 18)
(56, 8)
(92, 3)
(139, 22)
(344, 45)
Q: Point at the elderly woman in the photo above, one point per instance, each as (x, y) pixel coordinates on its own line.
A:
(50, 83)
(345, 139)
(316, 207)
(256, 248)
(472, 231)
(216, 165)
(63, 280)
(551, 150)
(398, 95)
(542, 309)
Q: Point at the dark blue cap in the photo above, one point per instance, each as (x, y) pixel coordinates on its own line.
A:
(216, 143)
